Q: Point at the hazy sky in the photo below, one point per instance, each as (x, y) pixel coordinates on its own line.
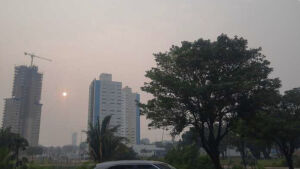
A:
(87, 37)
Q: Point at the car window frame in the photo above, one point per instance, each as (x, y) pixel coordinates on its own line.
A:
(163, 164)
(147, 165)
(116, 165)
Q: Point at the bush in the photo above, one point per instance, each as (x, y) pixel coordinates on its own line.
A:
(5, 158)
(37, 166)
(204, 162)
(34, 166)
(259, 166)
(187, 157)
(296, 161)
(237, 167)
(272, 163)
(86, 165)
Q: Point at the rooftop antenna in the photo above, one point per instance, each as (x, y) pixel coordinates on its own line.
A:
(34, 56)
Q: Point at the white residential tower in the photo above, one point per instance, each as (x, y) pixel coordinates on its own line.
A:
(106, 97)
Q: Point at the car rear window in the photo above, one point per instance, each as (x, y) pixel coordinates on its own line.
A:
(123, 167)
(145, 167)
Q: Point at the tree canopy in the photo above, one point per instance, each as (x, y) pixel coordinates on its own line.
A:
(104, 145)
(206, 84)
(279, 123)
(10, 146)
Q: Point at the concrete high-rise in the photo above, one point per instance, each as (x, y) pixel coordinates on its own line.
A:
(22, 112)
(132, 115)
(106, 97)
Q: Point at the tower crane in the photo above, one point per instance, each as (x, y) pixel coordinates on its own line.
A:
(34, 56)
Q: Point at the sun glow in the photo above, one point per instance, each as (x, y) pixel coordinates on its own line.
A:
(64, 94)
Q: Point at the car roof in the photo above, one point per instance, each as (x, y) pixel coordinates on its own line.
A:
(126, 162)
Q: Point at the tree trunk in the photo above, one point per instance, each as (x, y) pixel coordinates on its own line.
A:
(17, 157)
(266, 154)
(289, 160)
(254, 150)
(243, 155)
(242, 150)
(216, 161)
(214, 154)
(287, 149)
(211, 146)
(278, 152)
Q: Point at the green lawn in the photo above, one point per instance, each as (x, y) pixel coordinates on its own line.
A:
(85, 165)
(266, 163)
(272, 163)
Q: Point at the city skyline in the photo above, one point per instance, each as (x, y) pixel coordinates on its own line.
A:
(85, 38)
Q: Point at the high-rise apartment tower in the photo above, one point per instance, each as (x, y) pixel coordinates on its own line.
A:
(22, 112)
(106, 97)
(132, 115)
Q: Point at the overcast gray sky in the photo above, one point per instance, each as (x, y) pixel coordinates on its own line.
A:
(87, 37)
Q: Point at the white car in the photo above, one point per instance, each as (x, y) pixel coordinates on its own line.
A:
(133, 164)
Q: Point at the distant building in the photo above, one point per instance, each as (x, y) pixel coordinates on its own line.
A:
(145, 141)
(74, 139)
(131, 112)
(106, 97)
(22, 112)
(149, 150)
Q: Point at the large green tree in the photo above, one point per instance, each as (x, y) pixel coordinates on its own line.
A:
(206, 84)
(280, 124)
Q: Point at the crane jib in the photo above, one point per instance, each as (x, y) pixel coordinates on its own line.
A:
(34, 56)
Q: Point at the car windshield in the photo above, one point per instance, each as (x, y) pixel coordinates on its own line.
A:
(164, 166)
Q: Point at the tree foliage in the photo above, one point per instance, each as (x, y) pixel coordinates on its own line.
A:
(190, 137)
(6, 160)
(206, 84)
(104, 145)
(10, 146)
(280, 123)
(187, 157)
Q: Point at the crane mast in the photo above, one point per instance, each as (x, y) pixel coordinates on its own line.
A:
(35, 56)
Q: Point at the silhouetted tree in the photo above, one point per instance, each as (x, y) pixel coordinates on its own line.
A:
(103, 144)
(191, 137)
(206, 84)
(6, 160)
(280, 124)
(11, 144)
(19, 144)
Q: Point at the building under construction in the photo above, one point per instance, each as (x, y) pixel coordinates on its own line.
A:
(22, 112)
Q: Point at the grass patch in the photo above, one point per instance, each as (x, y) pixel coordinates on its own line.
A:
(272, 163)
(85, 165)
(233, 161)
(236, 161)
